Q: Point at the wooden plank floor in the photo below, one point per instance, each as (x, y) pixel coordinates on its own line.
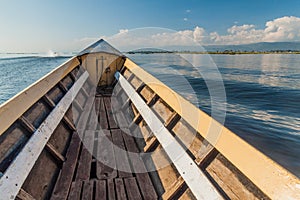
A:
(83, 176)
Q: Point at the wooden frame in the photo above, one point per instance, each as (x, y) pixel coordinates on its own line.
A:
(14, 177)
(188, 169)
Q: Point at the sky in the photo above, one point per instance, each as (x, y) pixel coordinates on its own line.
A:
(40, 26)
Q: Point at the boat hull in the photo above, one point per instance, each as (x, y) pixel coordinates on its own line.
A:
(99, 126)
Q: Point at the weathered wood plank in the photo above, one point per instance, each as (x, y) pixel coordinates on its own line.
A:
(85, 160)
(84, 116)
(122, 120)
(64, 180)
(75, 191)
(62, 86)
(77, 105)
(111, 189)
(121, 157)
(55, 94)
(132, 189)
(172, 120)
(18, 171)
(25, 99)
(100, 190)
(84, 92)
(87, 192)
(153, 99)
(66, 120)
(130, 143)
(187, 194)
(23, 195)
(120, 189)
(140, 87)
(147, 188)
(49, 101)
(106, 163)
(150, 144)
(72, 76)
(174, 189)
(102, 114)
(44, 168)
(136, 120)
(97, 102)
(193, 176)
(125, 104)
(111, 121)
(93, 120)
(61, 138)
(26, 124)
(143, 179)
(55, 153)
(169, 124)
(49, 147)
(69, 123)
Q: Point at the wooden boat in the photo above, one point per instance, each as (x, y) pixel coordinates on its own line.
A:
(100, 127)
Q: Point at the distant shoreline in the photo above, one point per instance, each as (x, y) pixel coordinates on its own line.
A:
(229, 52)
(215, 52)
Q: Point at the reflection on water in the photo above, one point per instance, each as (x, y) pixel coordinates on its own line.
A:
(277, 70)
(262, 91)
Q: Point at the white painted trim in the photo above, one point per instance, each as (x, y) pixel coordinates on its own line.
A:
(190, 172)
(14, 177)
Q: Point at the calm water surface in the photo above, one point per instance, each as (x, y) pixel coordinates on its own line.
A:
(262, 92)
(17, 73)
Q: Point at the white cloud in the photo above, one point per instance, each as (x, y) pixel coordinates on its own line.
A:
(123, 31)
(277, 30)
(243, 34)
(240, 29)
(185, 37)
(156, 38)
(188, 10)
(199, 34)
(185, 19)
(280, 29)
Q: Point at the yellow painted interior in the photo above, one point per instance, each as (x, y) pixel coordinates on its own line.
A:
(101, 67)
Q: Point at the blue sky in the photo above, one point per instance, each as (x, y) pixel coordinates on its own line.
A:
(38, 26)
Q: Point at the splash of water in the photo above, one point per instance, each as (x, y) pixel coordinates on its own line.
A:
(51, 53)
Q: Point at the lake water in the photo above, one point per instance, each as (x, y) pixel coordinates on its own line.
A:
(262, 92)
(19, 72)
(262, 95)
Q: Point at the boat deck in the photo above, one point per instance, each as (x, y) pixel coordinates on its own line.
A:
(84, 176)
